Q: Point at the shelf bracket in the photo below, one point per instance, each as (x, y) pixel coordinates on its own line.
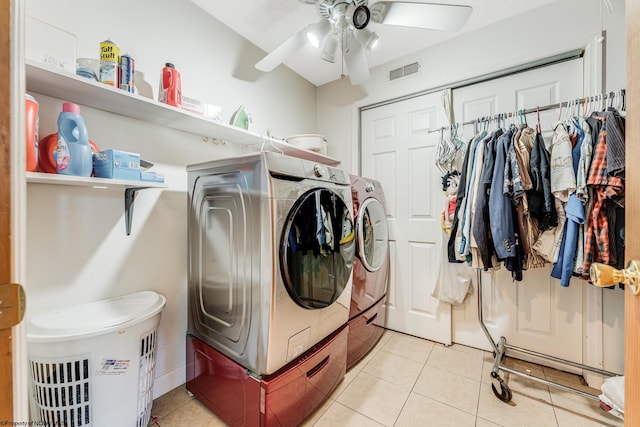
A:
(129, 197)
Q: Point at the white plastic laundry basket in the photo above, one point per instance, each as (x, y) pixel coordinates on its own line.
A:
(93, 364)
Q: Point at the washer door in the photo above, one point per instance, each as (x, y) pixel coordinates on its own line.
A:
(373, 235)
(317, 249)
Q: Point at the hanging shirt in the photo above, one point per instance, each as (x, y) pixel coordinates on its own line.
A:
(460, 197)
(527, 225)
(518, 167)
(481, 224)
(473, 196)
(563, 179)
(600, 239)
(541, 204)
(584, 163)
(463, 238)
(614, 125)
(563, 269)
(501, 218)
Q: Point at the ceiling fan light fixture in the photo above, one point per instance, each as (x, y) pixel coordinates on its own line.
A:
(318, 31)
(358, 16)
(330, 48)
(368, 38)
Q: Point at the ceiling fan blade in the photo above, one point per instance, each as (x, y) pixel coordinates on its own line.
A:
(280, 54)
(431, 16)
(356, 62)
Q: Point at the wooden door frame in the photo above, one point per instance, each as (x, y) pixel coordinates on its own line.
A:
(632, 225)
(6, 264)
(13, 360)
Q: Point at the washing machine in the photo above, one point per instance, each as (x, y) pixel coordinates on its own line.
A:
(371, 268)
(271, 246)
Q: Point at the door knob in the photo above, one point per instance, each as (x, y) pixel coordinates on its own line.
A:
(12, 304)
(604, 275)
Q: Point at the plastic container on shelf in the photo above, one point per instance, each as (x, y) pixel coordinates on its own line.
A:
(311, 142)
(94, 363)
(32, 132)
(170, 91)
(74, 155)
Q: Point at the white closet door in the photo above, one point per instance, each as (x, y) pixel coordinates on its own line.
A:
(537, 313)
(398, 151)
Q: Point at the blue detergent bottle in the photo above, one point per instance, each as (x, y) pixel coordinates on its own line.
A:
(74, 155)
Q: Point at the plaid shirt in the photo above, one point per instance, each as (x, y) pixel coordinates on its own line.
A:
(599, 244)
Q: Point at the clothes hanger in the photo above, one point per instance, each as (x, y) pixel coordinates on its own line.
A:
(560, 112)
(611, 96)
(538, 126)
(602, 102)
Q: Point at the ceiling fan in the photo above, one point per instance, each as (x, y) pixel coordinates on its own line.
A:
(343, 29)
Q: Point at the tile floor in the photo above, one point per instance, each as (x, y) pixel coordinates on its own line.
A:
(408, 381)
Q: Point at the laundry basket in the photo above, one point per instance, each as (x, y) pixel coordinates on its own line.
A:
(93, 364)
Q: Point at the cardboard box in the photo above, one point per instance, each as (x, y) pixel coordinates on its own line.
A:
(193, 105)
(50, 45)
(152, 176)
(116, 164)
(209, 111)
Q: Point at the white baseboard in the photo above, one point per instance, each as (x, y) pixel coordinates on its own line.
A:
(169, 381)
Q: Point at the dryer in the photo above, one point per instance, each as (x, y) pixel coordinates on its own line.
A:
(371, 268)
(271, 245)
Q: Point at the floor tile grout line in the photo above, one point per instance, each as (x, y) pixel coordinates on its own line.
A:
(479, 391)
(186, 402)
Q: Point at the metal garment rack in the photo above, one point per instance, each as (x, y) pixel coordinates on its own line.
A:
(500, 351)
(501, 347)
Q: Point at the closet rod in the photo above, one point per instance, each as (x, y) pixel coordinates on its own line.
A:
(572, 103)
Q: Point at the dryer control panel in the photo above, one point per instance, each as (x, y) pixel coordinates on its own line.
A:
(294, 167)
(328, 173)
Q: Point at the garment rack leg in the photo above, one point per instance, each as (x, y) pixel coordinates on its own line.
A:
(499, 351)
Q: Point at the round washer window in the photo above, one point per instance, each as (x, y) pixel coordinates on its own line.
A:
(373, 234)
(317, 249)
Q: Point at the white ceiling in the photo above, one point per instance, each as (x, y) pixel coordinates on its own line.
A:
(267, 23)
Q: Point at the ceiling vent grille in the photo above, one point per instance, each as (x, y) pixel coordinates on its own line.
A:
(404, 71)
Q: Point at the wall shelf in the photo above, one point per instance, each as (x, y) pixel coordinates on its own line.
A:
(102, 183)
(59, 84)
(130, 188)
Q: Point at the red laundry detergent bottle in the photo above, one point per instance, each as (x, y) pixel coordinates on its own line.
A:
(170, 86)
(74, 155)
(32, 134)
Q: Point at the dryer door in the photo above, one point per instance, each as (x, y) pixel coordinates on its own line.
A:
(372, 234)
(317, 249)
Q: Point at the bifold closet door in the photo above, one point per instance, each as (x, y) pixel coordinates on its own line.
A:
(536, 313)
(398, 151)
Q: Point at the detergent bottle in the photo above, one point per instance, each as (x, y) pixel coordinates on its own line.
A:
(74, 154)
(170, 91)
(32, 132)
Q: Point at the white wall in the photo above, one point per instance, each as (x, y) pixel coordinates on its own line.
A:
(559, 27)
(77, 250)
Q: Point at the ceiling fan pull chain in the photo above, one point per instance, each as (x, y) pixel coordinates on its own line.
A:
(343, 47)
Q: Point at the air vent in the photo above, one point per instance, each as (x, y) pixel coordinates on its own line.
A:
(404, 71)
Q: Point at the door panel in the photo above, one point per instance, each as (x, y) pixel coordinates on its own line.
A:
(399, 151)
(536, 313)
